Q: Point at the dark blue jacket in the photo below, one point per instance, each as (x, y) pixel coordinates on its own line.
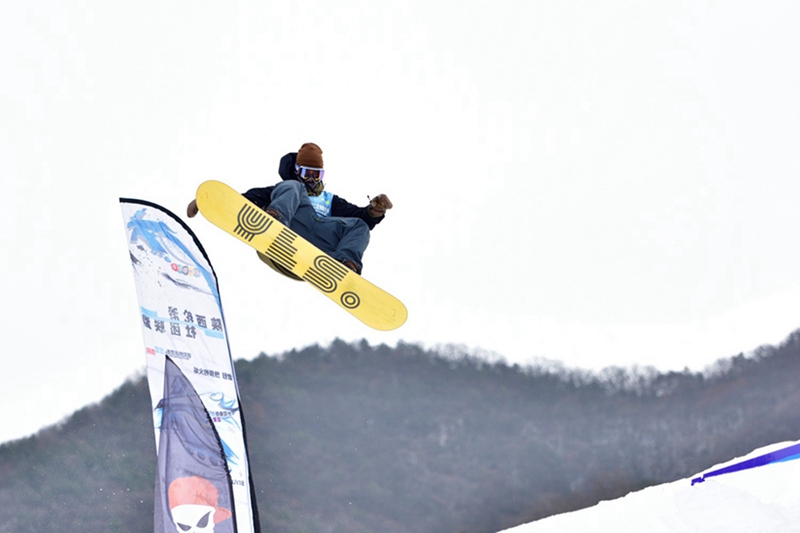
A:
(339, 206)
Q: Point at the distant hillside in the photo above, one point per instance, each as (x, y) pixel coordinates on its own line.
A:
(390, 440)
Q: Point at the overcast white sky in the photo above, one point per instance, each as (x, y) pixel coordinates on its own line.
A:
(598, 183)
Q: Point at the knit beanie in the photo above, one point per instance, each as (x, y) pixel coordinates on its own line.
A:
(310, 155)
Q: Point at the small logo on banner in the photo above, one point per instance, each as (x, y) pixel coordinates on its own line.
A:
(325, 274)
(251, 222)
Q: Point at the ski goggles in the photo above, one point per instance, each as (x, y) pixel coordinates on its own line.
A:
(310, 173)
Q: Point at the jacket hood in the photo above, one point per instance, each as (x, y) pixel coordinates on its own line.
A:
(286, 167)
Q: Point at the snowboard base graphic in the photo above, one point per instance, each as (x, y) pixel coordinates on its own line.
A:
(292, 255)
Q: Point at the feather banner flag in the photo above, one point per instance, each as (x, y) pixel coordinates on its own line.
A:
(203, 482)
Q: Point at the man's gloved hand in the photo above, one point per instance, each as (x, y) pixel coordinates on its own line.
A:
(191, 209)
(378, 206)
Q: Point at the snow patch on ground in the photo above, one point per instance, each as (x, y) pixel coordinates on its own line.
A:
(762, 499)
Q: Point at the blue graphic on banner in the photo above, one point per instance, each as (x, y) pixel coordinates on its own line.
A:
(227, 408)
(154, 233)
(779, 456)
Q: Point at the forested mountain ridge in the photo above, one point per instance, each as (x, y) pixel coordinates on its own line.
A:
(366, 438)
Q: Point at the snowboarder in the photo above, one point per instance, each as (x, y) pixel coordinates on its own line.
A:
(300, 201)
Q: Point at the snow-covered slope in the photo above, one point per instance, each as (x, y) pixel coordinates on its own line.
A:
(760, 499)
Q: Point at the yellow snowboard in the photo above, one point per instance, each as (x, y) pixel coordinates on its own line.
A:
(292, 255)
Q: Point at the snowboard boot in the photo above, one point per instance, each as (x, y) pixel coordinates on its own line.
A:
(349, 264)
(274, 214)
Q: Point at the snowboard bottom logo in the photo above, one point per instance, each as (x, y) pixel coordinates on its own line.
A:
(350, 300)
(251, 222)
(325, 274)
(282, 249)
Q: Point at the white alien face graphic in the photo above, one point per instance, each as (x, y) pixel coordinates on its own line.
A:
(190, 518)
